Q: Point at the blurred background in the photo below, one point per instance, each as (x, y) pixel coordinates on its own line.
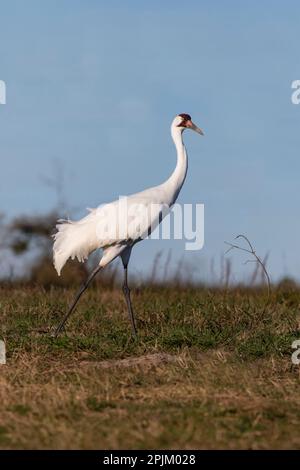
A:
(92, 88)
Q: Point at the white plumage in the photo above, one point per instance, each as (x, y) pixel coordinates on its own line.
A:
(117, 226)
(78, 239)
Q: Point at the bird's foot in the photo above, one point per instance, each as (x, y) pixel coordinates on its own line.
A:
(55, 332)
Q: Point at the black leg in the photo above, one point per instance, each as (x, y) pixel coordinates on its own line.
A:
(73, 304)
(126, 291)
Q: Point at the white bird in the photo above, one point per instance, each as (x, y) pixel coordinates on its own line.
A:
(118, 226)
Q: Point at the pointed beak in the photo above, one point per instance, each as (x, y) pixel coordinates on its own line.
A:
(191, 125)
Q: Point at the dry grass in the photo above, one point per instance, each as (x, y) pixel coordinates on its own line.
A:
(211, 369)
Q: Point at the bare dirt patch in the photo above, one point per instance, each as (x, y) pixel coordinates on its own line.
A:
(144, 362)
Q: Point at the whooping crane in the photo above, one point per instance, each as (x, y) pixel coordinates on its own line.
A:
(79, 239)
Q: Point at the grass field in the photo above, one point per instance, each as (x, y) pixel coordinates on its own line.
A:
(211, 369)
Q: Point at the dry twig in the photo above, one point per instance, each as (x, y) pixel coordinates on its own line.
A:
(252, 252)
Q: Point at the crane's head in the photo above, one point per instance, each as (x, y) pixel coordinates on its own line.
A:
(184, 121)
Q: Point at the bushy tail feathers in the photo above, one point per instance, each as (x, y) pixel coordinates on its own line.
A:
(73, 240)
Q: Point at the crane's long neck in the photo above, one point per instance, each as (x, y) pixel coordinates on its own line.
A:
(176, 180)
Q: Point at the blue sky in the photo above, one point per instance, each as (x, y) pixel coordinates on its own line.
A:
(96, 84)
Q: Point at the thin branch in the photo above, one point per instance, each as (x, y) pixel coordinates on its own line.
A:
(257, 259)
